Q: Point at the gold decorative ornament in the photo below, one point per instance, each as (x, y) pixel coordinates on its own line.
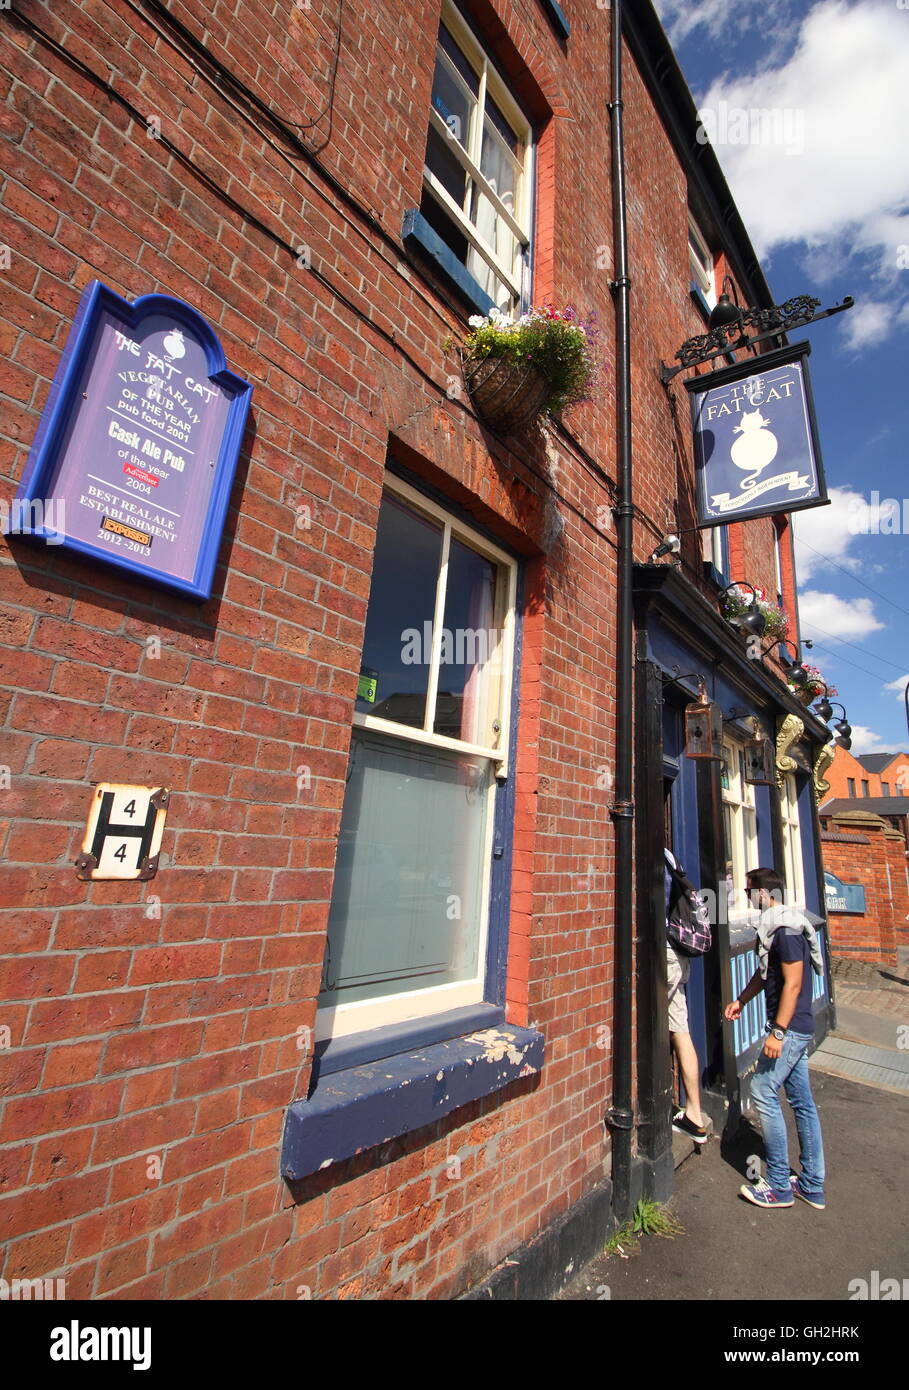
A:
(789, 731)
(821, 764)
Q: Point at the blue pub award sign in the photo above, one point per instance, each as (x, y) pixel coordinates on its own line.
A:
(135, 453)
(756, 448)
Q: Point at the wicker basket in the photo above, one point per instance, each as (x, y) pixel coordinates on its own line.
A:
(507, 394)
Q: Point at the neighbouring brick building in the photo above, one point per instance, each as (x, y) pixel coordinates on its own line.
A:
(869, 775)
(864, 816)
(356, 1037)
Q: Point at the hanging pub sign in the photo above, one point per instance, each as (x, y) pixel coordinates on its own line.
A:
(755, 439)
(136, 450)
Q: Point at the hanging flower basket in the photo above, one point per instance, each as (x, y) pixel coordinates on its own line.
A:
(814, 687)
(507, 394)
(736, 603)
(517, 370)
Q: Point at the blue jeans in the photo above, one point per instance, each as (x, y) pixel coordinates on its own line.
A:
(789, 1070)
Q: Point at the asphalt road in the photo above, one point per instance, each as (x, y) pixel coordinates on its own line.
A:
(733, 1250)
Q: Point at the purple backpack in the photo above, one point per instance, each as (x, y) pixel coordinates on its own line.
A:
(687, 918)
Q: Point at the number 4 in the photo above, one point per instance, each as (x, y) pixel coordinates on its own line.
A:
(120, 853)
(130, 808)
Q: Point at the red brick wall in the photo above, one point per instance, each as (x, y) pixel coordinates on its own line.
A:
(844, 766)
(873, 850)
(153, 1029)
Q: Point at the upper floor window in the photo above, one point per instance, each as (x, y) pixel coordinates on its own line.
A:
(701, 264)
(778, 531)
(885, 788)
(866, 790)
(850, 783)
(715, 542)
(476, 176)
(408, 925)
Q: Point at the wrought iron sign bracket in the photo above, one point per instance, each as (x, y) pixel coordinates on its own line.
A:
(769, 323)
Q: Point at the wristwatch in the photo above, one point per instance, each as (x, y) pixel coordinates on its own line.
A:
(778, 1033)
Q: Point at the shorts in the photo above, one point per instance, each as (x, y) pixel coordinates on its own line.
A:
(678, 968)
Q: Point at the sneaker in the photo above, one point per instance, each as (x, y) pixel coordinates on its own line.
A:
(814, 1199)
(761, 1194)
(682, 1125)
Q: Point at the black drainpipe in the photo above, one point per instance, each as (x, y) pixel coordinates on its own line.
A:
(620, 1117)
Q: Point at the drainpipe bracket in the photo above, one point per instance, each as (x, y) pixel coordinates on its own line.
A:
(618, 1117)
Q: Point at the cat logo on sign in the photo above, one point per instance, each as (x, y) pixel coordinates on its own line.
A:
(123, 834)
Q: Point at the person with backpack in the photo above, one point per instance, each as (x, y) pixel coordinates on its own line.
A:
(687, 934)
(787, 951)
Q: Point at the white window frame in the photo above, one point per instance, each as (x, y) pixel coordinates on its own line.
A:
(778, 560)
(343, 1020)
(701, 263)
(739, 797)
(712, 541)
(792, 841)
(469, 156)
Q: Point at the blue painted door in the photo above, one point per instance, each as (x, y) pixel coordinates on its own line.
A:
(680, 780)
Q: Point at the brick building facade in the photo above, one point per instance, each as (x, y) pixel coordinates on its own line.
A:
(176, 1122)
(872, 775)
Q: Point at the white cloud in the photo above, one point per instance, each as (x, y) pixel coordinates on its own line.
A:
(825, 533)
(681, 17)
(822, 616)
(899, 685)
(867, 741)
(867, 322)
(846, 182)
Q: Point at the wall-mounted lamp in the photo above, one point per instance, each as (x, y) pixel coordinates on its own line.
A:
(753, 621)
(796, 673)
(824, 709)
(670, 545)
(726, 314)
(703, 726)
(842, 726)
(760, 758)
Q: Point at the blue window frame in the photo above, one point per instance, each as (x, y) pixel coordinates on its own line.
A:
(416, 940)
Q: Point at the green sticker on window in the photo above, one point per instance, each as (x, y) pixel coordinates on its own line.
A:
(366, 688)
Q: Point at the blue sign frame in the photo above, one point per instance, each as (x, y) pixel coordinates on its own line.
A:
(732, 412)
(843, 897)
(98, 306)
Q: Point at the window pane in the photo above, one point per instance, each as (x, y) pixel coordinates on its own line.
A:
(497, 120)
(499, 167)
(407, 904)
(402, 597)
(454, 104)
(459, 60)
(441, 162)
(465, 705)
(440, 222)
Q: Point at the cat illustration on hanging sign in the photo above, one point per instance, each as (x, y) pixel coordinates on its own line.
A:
(756, 447)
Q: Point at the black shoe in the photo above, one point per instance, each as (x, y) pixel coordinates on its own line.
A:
(682, 1125)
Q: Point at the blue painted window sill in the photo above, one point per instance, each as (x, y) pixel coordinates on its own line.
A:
(369, 1104)
(418, 235)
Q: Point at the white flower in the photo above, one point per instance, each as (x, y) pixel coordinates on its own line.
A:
(477, 321)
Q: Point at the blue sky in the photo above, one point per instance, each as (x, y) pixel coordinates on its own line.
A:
(823, 188)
